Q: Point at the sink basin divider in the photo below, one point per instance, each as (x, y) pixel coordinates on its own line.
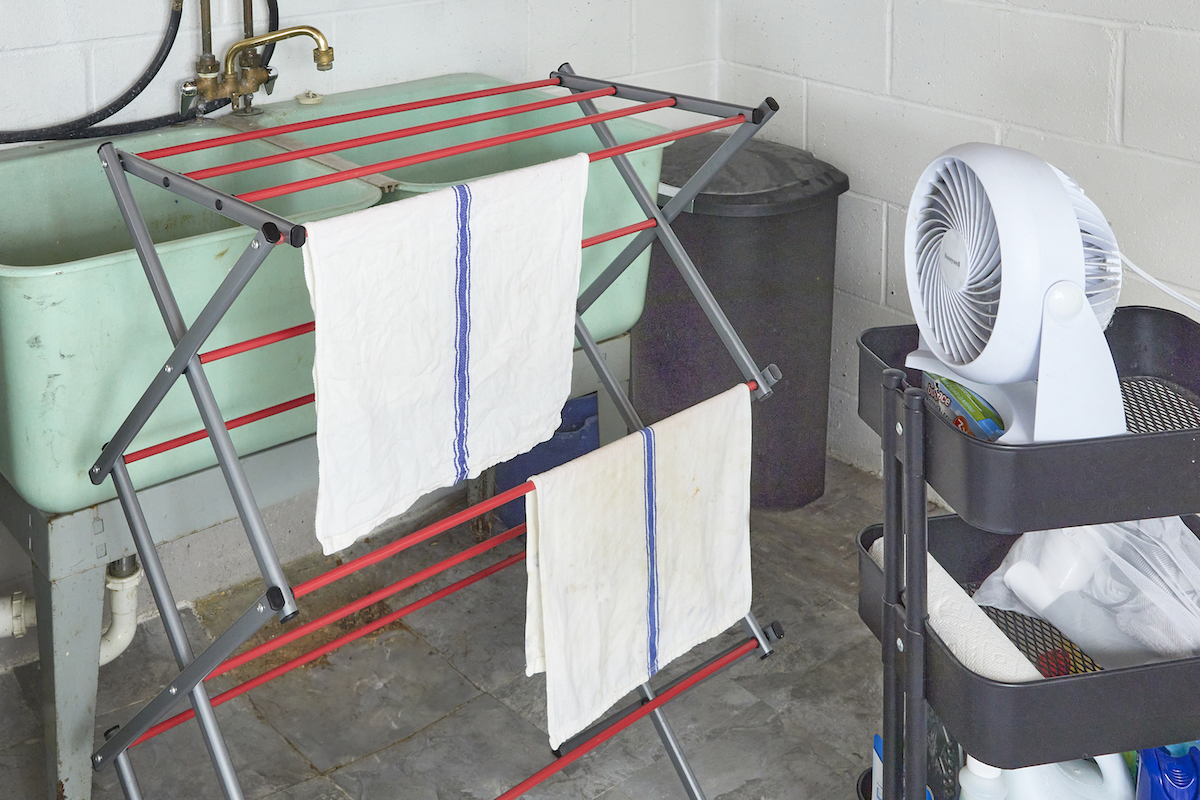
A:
(271, 230)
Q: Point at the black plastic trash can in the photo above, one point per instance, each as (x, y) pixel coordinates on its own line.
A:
(762, 235)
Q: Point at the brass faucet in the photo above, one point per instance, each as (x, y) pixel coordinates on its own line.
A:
(234, 84)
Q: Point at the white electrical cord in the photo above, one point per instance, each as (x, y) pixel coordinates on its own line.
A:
(1157, 284)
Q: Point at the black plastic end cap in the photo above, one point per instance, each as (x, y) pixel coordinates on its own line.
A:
(914, 398)
(291, 616)
(776, 629)
(893, 379)
(275, 598)
(271, 231)
(111, 732)
(557, 752)
(772, 103)
(298, 236)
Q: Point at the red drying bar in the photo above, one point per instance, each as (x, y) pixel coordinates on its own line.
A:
(345, 639)
(280, 130)
(749, 646)
(445, 152)
(401, 133)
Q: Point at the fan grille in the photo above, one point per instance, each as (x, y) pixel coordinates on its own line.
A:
(1101, 257)
(960, 290)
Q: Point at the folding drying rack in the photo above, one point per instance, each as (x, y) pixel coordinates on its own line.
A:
(279, 598)
(1000, 491)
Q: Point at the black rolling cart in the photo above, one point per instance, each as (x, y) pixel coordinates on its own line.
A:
(999, 492)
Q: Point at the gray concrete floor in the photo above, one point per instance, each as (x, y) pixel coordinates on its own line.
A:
(437, 705)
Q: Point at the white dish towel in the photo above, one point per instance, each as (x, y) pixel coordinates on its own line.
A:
(444, 331)
(636, 553)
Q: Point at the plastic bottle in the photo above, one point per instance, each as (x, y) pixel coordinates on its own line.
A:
(978, 781)
(1162, 776)
(1107, 778)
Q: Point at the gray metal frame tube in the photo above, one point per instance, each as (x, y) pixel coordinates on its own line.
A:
(246, 626)
(210, 413)
(674, 207)
(665, 732)
(700, 105)
(176, 636)
(188, 346)
(691, 276)
(607, 379)
(128, 780)
(239, 488)
(753, 629)
(222, 203)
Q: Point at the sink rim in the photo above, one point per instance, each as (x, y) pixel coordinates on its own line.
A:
(214, 129)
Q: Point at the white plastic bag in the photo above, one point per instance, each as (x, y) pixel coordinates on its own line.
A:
(1127, 593)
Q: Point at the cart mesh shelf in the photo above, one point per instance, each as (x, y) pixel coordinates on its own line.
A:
(1000, 491)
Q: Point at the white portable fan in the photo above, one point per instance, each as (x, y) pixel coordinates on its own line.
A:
(1013, 274)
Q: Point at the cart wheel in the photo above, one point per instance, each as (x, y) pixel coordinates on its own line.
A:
(864, 785)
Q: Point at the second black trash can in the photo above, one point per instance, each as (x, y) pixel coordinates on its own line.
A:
(762, 235)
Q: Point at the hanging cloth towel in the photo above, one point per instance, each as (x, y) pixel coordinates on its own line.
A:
(444, 331)
(636, 553)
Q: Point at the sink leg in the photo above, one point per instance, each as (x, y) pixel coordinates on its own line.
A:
(68, 631)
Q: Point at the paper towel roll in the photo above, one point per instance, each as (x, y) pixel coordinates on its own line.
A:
(971, 636)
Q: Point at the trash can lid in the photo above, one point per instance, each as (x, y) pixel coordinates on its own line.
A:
(763, 179)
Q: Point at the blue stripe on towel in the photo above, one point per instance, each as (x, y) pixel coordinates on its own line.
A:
(462, 338)
(652, 600)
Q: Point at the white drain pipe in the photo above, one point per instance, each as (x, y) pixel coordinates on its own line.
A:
(17, 613)
(122, 602)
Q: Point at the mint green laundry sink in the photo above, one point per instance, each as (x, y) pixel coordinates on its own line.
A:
(609, 204)
(81, 336)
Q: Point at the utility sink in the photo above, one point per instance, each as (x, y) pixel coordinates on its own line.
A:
(80, 333)
(609, 204)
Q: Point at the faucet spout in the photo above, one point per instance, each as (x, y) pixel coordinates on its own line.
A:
(322, 55)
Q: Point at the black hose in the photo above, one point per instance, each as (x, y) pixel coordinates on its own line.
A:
(272, 26)
(122, 128)
(66, 130)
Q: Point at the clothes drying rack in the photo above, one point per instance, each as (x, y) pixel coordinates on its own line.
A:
(280, 598)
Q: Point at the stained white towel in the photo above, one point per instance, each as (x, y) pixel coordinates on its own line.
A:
(636, 553)
(445, 324)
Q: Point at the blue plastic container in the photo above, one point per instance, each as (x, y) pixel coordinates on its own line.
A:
(579, 433)
(1162, 776)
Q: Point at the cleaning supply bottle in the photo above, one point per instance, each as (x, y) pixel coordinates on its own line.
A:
(979, 781)
(1106, 778)
(1163, 776)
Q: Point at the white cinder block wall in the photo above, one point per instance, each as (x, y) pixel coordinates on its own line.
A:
(61, 60)
(1103, 89)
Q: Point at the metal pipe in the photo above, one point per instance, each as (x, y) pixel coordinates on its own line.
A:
(248, 18)
(205, 29)
(323, 55)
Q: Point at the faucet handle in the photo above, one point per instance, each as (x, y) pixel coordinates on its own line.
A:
(187, 96)
(269, 83)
